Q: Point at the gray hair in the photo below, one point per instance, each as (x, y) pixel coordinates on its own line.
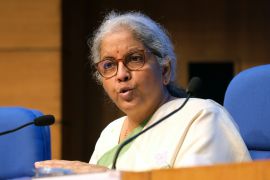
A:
(151, 34)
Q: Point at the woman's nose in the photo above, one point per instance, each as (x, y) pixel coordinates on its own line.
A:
(123, 74)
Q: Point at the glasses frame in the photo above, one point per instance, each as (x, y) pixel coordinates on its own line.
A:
(123, 60)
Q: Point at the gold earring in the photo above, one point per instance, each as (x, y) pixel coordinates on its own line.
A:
(165, 81)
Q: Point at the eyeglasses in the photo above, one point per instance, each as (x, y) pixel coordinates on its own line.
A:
(133, 61)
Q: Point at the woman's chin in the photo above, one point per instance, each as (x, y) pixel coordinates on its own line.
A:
(127, 106)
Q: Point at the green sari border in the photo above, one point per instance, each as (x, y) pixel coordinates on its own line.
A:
(107, 158)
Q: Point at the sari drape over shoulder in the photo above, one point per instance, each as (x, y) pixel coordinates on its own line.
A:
(107, 158)
(202, 133)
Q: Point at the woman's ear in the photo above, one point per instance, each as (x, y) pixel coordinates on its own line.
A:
(166, 72)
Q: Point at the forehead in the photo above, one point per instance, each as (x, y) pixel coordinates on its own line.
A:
(119, 41)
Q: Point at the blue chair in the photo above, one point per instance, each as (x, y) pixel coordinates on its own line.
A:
(247, 98)
(19, 150)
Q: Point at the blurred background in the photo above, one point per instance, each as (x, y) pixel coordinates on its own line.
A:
(44, 56)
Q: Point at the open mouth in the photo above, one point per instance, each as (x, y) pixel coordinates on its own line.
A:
(126, 93)
(124, 90)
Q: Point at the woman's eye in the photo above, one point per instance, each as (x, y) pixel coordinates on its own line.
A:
(135, 58)
(108, 65)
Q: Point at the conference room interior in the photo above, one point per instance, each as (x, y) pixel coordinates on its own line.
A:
(44, 57)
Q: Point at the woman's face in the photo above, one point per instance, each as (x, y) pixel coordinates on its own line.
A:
(139, 91)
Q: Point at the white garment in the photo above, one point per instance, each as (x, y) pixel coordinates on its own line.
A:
(202, 133)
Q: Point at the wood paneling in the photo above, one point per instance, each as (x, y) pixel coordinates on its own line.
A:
(31, 79)
(30, 59)
(30, 24)
(236, 31)
(249, 171)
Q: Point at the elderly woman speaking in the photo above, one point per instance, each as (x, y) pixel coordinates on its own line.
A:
(136, 65)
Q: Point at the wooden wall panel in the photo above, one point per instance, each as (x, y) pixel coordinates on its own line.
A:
(30, 24)
(30, 59)
(234, 31)
(31, 79)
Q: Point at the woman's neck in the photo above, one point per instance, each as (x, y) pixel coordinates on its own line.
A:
(133, 120)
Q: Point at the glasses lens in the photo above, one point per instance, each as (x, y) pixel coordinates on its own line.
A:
(107, 67)
(135, 60)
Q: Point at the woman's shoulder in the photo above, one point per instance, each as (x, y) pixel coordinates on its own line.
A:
(180, 110)
(207, 105)
(196, 104)
(206, 108)
(194, 107)
(110, 134)
(115, 126)
(192, 103)
(204, 103)
(195, 111)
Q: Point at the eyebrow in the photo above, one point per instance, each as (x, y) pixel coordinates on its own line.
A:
(128, 52)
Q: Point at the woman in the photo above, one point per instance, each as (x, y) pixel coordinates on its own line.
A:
(136, 65)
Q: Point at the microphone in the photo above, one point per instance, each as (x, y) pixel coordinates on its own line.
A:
(44, 120)
(194, 85)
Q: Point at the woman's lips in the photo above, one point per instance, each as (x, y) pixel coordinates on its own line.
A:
(126, 94)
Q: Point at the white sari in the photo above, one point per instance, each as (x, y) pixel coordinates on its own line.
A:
(202, 133)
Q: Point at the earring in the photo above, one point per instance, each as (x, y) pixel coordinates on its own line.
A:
(165, 81)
